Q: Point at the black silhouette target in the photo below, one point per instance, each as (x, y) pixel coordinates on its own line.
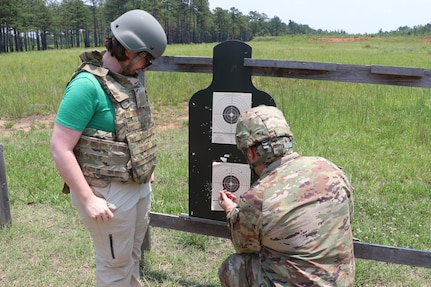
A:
(231, 114)
(231, 183)
(215, 163)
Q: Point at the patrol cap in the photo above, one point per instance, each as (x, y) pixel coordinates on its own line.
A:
(261, 124)
(139, 31)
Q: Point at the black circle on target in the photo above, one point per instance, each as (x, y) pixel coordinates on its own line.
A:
(231, 183)
(231, 114)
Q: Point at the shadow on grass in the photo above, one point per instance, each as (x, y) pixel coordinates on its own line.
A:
(156, 277)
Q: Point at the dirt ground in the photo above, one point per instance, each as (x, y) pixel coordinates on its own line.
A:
(47, 122)
(359, 39)
(355, 39)
(26, 124)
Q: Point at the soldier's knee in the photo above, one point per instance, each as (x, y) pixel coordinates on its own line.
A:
(230, 269)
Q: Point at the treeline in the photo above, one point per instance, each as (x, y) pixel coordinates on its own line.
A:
(27, 25)
(419, 30)
(45, 24)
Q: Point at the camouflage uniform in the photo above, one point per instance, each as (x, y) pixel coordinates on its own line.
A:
(292, 228)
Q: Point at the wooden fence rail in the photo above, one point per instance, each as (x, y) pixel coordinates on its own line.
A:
(389, 254)
(374, 74)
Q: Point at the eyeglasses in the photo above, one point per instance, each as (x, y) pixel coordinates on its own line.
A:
(148, 62)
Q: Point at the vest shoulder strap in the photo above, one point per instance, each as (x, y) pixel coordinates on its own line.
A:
(109, 86)
(95, 70)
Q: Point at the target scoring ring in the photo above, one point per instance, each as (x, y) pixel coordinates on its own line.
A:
(231, 114)
(231, 183)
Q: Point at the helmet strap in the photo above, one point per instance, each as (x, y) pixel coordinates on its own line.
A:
(263, 150)
(126, 69)
(260, 161)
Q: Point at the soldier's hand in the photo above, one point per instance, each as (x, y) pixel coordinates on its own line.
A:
(226, 200)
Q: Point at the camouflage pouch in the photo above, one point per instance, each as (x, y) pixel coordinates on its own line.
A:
(142, 147)
(102, 160)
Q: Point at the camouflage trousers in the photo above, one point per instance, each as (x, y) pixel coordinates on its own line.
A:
(243, 270)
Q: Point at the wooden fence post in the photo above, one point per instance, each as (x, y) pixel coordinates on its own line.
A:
(5, 217)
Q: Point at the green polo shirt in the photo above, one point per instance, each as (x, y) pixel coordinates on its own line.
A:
(86, 105)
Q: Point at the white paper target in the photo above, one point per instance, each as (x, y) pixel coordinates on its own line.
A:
(234, 177)
(227, 107)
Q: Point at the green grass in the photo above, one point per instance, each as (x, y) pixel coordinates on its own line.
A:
(379, 135)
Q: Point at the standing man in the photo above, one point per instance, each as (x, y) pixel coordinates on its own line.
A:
(292, 227)
(103, 145)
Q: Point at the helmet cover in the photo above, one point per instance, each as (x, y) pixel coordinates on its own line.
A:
(262, 125)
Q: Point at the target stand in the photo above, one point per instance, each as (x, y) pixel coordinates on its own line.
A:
(215, 163)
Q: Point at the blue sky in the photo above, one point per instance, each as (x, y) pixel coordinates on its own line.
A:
(352, 16)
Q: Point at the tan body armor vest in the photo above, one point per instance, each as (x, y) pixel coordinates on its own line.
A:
(130, 154)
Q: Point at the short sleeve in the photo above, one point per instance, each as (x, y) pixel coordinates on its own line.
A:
(80, 102)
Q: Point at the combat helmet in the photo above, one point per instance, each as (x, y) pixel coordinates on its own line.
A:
(139, 31)
(266, 128)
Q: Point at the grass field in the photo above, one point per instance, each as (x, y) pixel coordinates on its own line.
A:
(379, 135)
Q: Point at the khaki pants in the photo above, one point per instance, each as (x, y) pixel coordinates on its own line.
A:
(118, 241)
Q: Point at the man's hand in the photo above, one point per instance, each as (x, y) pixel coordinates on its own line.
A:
(98, 209)
(226, 200)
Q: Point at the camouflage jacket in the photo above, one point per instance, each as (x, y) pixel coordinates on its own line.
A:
(297, 218)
